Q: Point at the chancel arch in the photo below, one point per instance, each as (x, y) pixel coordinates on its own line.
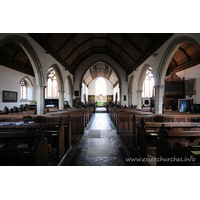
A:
(110, 80)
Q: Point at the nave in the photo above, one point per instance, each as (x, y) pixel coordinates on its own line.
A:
(100, 145)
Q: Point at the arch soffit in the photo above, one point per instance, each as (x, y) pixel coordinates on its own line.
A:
(168, 54)
(69, 81)
(130, 85)
(142, 76)
(59, 76)
(31, 54)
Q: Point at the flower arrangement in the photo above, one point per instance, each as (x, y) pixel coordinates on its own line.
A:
(35, 101)
(109, 98)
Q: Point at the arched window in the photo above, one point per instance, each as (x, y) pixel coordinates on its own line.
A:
(52, 84)
(100, 86)
(148, 84)
(23, 89)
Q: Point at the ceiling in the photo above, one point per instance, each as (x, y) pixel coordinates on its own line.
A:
(186, 56)
(14, 57)
(100, 69)
(129, 50)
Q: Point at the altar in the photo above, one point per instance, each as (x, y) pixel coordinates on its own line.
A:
(100, 103)
(101, 100)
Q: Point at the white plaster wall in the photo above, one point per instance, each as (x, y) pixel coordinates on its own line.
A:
(116, 89)
(84, 91)
(191, 73)
(9, 80)
(81, 69)
(92, 86)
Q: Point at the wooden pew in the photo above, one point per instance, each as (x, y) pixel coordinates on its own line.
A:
(58, 133)
(148, 132)
(80, 117)
(172, 154)
(123, 121)
(35, 150)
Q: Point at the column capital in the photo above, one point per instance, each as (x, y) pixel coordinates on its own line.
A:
(159, 86)
(40, 86)
(139, 91)
(61, 91)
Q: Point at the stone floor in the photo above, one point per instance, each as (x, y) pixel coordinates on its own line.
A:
(100, 145)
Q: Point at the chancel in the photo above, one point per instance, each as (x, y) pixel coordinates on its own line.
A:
(99, 99)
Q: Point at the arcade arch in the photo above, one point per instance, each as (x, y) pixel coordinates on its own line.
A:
(163, 66)
(36, 65)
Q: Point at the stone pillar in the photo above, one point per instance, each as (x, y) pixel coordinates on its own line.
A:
(70, 99)
(159, 99)
(61, 100)
(130, 98)
(139, 98)
(40, 96)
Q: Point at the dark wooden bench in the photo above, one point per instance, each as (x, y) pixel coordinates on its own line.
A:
(123, 118)
(30, 147)
(147, 133)
(80, 117)
(58, 134)
(170, 153)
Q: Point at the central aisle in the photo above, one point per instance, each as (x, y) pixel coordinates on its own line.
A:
(100, 145)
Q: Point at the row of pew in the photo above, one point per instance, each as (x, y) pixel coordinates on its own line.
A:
(80, 117)
(172, 136)
(29, 143)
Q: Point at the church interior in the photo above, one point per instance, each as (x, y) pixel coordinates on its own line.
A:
(99, 99)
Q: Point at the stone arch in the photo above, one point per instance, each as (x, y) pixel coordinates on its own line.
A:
(140, 84)
(37, 67)
(163, 66)
(31, 54)
(130, 90)
(169, 53)
(69, 81)
(116, 72)
(60, 85)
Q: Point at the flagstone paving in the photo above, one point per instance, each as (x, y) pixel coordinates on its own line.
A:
(100, 145)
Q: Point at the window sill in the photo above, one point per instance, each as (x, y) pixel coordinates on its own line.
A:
(25, 100)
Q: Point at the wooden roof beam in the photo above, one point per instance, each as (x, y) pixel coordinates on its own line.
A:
(100, 47)
(91, 38)
(148, 36)
(16, 52)
(65, 43)
(175, 62)
(134, 45)
(183, 50)
(49, 36)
